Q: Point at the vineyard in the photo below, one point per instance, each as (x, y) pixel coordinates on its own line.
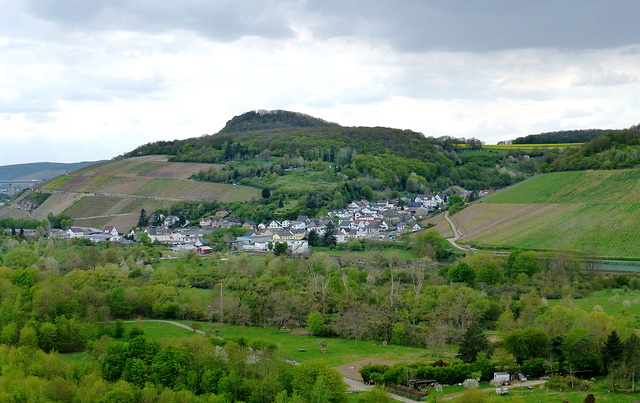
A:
(114, 192)
(580, 211)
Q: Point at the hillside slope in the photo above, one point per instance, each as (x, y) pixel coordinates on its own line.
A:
(581, 211)
(114, 192)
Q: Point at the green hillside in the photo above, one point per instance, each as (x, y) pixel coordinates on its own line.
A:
(618, 186)
(581, 211)
(114, 192)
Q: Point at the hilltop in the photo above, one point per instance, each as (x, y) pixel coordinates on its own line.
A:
(275, 119)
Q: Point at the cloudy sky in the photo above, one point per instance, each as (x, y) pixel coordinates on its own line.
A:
(87, 80)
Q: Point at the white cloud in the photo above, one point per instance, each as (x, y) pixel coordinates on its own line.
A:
(96, 81)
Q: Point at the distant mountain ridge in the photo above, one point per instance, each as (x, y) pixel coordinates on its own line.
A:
(40, 170)
(564, 136)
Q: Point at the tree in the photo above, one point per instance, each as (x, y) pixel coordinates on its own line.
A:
(527, 343)
(315, 322)
(166, 367)
(142, 221)
(280, 249)
(474, 342)
(329, 236)
(612, 351)
(462, 273)
(352, 323)
(631, 357)
(266, 193)
(312, 238)
(315, 377)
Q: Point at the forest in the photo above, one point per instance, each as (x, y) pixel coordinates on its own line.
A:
(60, 297)
(615, 150)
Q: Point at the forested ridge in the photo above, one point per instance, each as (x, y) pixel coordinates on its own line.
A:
(614, 150)
(563, 136)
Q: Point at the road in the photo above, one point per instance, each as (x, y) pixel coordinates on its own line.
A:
(456, 234)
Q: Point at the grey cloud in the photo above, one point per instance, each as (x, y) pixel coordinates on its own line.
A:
(221, 20)
(471, 25)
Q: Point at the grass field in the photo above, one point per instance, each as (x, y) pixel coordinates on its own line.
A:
(529, 147)
(590, 210)
(339, 351)
(616, 303)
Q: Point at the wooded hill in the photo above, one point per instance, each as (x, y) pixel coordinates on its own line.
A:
(308, 164)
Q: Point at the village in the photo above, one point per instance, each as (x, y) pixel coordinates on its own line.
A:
(360, 220)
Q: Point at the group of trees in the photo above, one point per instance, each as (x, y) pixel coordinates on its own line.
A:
(614, 150)
(58, 296)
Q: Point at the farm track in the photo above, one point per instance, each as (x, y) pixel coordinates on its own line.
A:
(128, 196)
(457, 234)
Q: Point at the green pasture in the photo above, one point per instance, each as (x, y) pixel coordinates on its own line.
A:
(339, 351)
(614, 302)
(159, 330)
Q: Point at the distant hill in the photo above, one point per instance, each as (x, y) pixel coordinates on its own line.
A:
(577, 211)
(40, 170)
(563, 136)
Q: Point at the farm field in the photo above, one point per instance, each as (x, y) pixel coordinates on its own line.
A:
(615, 186)
(574, 211)
(529, 146)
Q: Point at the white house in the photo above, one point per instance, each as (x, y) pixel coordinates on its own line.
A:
(109, 229)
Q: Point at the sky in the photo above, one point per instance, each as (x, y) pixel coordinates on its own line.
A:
(90, 80)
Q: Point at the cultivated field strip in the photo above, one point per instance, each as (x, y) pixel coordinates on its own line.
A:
(583, 211)
(114, 192)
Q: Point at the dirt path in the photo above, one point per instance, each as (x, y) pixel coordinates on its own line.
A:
(166, 321)
(456, 234)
